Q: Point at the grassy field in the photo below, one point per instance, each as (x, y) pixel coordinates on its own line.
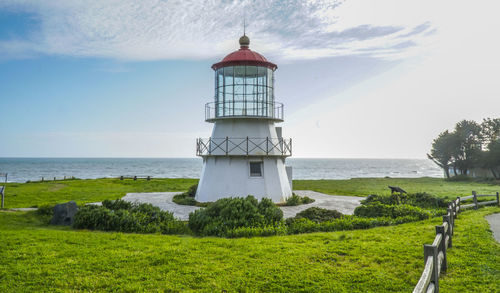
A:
(37, 257)
(367, 186)
(83, 191)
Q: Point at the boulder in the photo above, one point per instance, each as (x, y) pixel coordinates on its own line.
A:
(64, 214)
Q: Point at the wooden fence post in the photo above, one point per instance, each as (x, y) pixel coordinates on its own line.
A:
(458, 204)
(431, 250)
(3, 196)
(440, 230)
(498, 201)
(450, 228)
(450, 216)
(475, 199)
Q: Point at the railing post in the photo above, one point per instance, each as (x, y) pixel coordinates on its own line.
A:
(247, 145)
(227, 141)
(475, 199)
(458, 205)
(440, 230)
(210, 146)
(267, 145)
(431, 250)
(498, 201)
(450, 228)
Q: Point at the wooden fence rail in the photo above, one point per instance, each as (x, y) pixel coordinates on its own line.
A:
(435, 258)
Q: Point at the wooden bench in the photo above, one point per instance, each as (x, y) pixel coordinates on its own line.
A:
(135, 177)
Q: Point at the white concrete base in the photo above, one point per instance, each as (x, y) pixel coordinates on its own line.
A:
(230, 177)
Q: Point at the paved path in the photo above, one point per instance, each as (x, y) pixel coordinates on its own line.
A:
(494, 221)
(163, 200)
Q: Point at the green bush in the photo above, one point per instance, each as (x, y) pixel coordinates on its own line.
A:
(377, 209)
(138, 218)
(423, 200)
(303, 225)
(187, 198)
(296, 200)
(231, 213)
(319, 215)
(184, 199)
(45, 213)
(192, 190)
(117, 204)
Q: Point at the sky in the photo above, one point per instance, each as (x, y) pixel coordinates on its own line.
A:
(359, 79)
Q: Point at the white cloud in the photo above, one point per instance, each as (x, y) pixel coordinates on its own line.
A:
(151, 30)
(398, 113)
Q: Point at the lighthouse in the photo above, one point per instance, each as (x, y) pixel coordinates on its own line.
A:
(246, 152)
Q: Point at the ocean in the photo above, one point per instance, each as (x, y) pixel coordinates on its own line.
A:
(24, 169)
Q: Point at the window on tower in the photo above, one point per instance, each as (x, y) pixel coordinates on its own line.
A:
(255, 169)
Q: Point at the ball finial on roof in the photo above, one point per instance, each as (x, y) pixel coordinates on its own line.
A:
(244, 41)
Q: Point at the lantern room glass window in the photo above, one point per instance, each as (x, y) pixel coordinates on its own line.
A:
(244, 91)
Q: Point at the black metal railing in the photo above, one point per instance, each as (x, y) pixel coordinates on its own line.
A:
(242, 109)
(248, 146)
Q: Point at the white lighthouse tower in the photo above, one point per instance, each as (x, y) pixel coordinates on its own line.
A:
(246, 153)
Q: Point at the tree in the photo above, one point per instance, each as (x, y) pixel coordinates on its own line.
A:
(491, 158)
(469, 144)
(442, 151)
(490, 130)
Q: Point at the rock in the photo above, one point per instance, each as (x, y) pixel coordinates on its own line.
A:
(64, 214)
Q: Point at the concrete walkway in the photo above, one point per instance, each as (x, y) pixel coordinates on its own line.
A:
(494, 221)
(163, 200)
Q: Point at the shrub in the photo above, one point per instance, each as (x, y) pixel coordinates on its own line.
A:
(183, 199)
(45, 210)
(296, 200)
(319, 215)
(192, 190)
(118, 204)
(187, 198)
(45, 213)
(139, 218)
(377, 209)
(423, 200)
(303, 225)
(230, 213)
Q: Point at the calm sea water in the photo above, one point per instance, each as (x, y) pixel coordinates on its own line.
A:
(23, 169)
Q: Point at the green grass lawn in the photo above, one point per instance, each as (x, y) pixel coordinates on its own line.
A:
(36, 257)
(367, 186)
(83, 191)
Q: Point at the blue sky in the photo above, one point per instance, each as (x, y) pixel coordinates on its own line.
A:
(130, 79)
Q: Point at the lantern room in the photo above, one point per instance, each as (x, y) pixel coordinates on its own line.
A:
(244, 87)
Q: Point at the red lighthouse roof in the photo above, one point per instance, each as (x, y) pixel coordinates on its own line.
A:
(244, 56)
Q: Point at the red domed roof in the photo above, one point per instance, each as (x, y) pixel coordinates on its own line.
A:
(244, 56)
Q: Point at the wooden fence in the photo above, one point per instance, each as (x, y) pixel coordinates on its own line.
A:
(435, 254)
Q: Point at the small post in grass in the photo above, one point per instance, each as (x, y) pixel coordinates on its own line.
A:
(498, 200)
(475, 199)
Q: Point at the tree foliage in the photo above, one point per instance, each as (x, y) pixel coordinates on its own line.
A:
(470, 145)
